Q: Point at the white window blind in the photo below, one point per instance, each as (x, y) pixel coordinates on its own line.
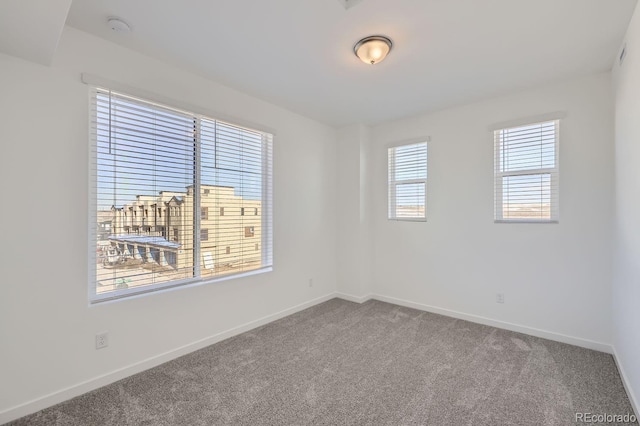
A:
(408, 182)
(526, 173)
(161, 179)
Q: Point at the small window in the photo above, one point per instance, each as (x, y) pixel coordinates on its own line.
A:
(526, 173)
(221, 211)
(242, 211)
(248, 231)
(206, 191)
(176, 234)
(204, 235)
(204, 213)
(408, 182)
(255, 211)
(228, 250)
(257, 247)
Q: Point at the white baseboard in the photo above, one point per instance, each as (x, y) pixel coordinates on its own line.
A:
(352, 298)
(576, 341)
(111, 377)
(626, 384)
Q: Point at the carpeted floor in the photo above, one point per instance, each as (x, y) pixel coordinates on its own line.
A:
(341, 363)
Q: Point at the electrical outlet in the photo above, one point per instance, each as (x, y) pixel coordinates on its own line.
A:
(102, 340)
(499, 297)
(310, 282)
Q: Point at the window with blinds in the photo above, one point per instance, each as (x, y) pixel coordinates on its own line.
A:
(169, 189)
(526, 173)
(408, 182)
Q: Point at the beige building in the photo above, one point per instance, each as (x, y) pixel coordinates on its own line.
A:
(159, 230)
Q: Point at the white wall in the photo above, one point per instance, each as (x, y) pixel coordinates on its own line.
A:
(626, 283)
(354, 239)
(555, 277)
(47, 327)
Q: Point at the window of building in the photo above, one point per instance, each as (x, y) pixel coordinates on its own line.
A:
(241, 211)
(408, 182)
(257, 246)
(255, 211)
(144, 154)
(221, 211)
(526, 173)
(249, 231)
(206, 191)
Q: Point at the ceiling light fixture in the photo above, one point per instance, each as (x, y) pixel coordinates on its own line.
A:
(373, 49)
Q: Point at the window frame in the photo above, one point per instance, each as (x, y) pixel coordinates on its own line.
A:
(392, 183)
(553, 172)
(267, 256)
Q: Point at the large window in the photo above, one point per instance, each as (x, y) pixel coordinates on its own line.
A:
(408, 182)
(526, 173)
(169, 175)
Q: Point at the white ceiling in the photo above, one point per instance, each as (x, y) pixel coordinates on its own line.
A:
(298, 53)
(30, 29)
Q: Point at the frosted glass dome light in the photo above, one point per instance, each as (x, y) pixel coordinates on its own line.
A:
(373, 49)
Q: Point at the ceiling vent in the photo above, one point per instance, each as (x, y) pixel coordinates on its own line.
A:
(348, 4)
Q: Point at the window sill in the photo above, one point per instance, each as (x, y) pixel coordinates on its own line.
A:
(408, 219)
(555, 221)
(132, 293)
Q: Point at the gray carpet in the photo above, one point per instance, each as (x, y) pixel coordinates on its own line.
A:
(341, 363)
